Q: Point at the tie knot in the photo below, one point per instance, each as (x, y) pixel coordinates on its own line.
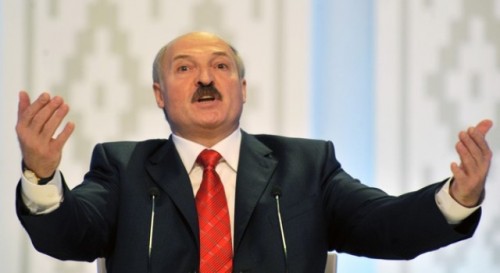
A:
(208, 158)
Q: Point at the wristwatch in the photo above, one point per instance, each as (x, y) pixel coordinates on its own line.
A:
(33, 178)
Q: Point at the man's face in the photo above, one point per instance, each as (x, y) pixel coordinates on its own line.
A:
(200, 60)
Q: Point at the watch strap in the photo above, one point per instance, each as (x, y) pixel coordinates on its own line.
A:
(34, 178)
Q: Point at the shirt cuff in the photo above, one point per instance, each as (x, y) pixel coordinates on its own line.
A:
(42, 199)
(453, 211)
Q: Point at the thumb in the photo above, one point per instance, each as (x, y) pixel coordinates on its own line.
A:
(24, 102)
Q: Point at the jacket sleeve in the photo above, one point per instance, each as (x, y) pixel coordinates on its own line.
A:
(366, 221)
(80, 228)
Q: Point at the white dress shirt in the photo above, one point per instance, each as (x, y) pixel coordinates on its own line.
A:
(42, 199)
(229, 149)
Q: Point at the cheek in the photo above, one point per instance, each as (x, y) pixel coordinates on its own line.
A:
(177, 95)
(177, 104)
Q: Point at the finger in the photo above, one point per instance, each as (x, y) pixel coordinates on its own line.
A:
(470, 145)
(45, 113)
(24, 102)
(467, 162)
(457, 171)
(479, 139)
(30, 110)
(472, 165)
(464, 148)
(484, 126)
(63, 137)
(55, 121)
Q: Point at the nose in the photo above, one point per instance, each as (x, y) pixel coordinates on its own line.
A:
(205, 77)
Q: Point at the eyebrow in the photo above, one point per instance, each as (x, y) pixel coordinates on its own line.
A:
(185, 56)
(221, 53)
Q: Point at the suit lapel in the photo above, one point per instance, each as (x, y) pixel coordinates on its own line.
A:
(167, 171)
(255, 168)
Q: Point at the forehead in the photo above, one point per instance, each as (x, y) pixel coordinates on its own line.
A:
(197, 45)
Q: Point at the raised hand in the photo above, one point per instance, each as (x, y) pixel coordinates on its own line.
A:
(467, 187)
(36, 126)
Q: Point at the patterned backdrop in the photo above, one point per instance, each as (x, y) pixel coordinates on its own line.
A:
(438, 71)
(97, 54)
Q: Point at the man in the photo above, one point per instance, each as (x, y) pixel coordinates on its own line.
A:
(286, 201)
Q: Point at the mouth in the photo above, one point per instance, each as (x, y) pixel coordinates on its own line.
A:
(206, 98)
(206, 93)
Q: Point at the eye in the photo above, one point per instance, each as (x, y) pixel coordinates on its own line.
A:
(182, 68)
(222, 66)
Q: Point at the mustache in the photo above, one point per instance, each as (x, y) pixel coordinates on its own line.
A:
(206, 93)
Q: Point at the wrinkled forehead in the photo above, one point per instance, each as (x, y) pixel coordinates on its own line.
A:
(192, 45)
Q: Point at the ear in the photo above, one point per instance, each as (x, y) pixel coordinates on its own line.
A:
(158, 95)
(244, 90)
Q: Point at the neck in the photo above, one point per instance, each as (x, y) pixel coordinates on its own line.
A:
(207, 138)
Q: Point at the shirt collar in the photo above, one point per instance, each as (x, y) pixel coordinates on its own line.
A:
(229, 148)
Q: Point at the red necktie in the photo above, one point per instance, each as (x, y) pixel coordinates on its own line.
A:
(213, 217)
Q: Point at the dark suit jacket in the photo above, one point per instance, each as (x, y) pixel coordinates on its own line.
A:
(323, 209)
